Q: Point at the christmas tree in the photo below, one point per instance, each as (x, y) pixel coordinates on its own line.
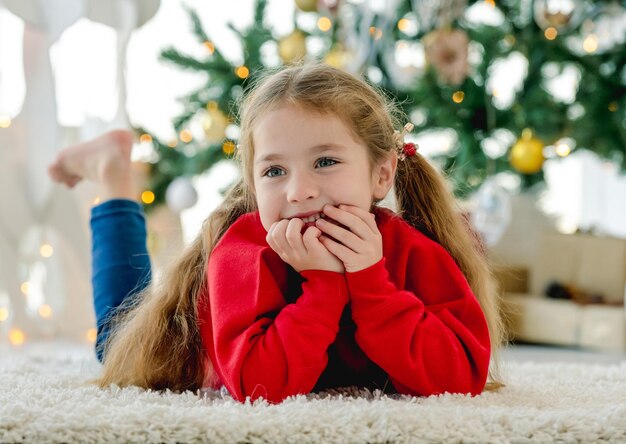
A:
(451, 65)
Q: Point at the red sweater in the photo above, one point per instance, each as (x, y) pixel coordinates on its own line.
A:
(409, 322)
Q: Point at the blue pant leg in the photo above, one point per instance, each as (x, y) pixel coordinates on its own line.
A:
(120, 262)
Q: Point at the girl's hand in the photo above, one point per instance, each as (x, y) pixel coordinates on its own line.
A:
(301, 251)
(358, 247)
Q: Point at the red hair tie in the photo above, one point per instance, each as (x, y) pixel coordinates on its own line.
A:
(405, 149)
(409, 149)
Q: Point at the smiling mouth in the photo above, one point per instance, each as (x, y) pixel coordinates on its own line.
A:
(312, 218)
(309, 221)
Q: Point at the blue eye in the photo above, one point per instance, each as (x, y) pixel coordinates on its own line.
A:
(273, 172)
(326, 162)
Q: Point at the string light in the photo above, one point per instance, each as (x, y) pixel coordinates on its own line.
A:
(25, 288)
(5, 121)
(228, 147)
(491, 3)
(210, 47)
(186, 136)
(46, 250)
(172, 143)
(96, 201)
(4, 314)
(324, 24)
(145, 138)
(563, 149)
(17, 337)
(404, 25)
(591, 43)
(147, 197)
(242, 72)
(45, 311)
(91, 335)
(458, 96)
(551, 33)
(376, 33)
(613, 107)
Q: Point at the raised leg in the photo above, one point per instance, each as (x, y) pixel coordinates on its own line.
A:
(120, 263)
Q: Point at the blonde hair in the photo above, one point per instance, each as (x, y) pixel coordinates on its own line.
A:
(157, 343)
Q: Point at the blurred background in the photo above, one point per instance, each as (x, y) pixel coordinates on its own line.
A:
(521, 103)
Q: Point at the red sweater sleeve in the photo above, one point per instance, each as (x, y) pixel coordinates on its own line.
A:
(261, 345)
(431, 337)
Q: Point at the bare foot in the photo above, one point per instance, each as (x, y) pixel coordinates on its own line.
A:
(104, 160)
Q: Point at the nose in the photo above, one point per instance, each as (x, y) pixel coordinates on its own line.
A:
(302, 187)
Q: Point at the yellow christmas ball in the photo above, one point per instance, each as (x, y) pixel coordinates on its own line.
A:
(527, 154)
(307, 5)
(292, 47)
(338, 57)
(214, 124)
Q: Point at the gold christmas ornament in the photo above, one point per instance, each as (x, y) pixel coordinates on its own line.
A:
(292, 47)
(447, 51)
(338, 57)
(214, 124)
(229, 147)
(307, 5)
(527, 154)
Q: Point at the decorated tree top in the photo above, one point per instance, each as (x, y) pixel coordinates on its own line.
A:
(506, 84)
(515, 81)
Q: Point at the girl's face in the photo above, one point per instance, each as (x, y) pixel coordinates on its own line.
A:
(303, 161)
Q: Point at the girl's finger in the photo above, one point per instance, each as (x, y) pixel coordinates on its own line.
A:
(292, 234)
(346, 237)
(342, 252)
(269, 238)
(366, 216)
(278, 235)
(356, 225)
(310, 238)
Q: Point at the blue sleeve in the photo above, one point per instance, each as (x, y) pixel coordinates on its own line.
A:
(120, 262)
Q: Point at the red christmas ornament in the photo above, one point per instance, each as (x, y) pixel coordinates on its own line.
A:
(409, 149)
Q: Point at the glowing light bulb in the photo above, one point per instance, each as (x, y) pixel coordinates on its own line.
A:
(147, 197)
(45, 311)
(4, 314)
(563, 150)
(46, 250)
(17, 337)
(25, 288)
(550, 33)
(324, 24)
(145, 138)
(5, 121)
(591, 43)
(91, 335)
(404, 25)
(376, 33)
(186, 136)
(210, 47)
(242, 72)
(458, 96)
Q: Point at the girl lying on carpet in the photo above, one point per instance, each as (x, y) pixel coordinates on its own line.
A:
(298, 282)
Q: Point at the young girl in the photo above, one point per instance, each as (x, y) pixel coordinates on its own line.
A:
(298, 282)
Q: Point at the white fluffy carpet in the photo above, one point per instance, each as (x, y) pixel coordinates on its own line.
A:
(45, 399)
